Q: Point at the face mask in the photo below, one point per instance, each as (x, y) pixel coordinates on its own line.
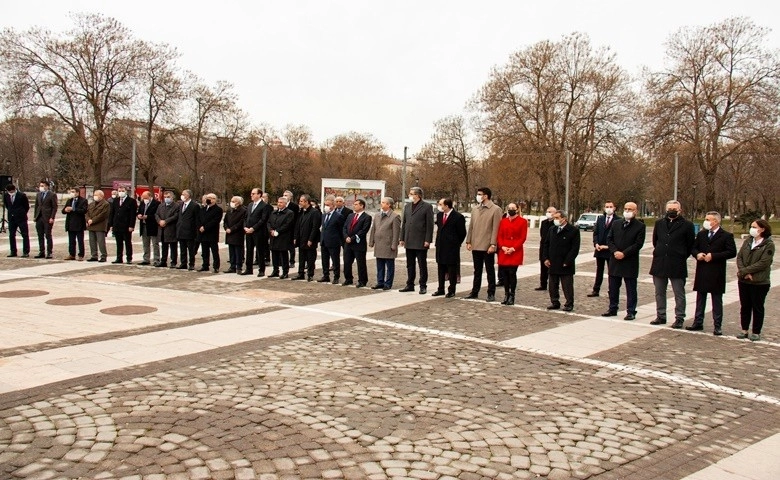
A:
(168, 201)
(183, 198)
(511, 213)
(628, 214)
(548, 215)
(411, 198)
(479, 198)
(208, 201)
(707, 225)
(440, 208)
(672, 213)
(96, 198)
(609, 210)
(146, 201)
(753, 232)
(122, 194)
(326, 209)
(41, 189)
(233, 205)
(557, 222)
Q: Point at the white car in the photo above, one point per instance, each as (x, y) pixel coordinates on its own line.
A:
(587, 221)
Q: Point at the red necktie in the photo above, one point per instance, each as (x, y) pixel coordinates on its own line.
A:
(444, 220)
(354, 222)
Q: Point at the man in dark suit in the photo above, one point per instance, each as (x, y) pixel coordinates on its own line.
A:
(45, 211)
(450, 233)
(306, 238)
(281, 226)
(75, 211)
(331, 240)
(673, 239)
(625, 240)
(18, 206)
(208, 226)
(293, 207)
(147, 209)
(256, 232)
(544, 230)
(416, 237)
(342, 208)
(186, 230)
(355, 233)
(122, 223)
(561, 247)
(600, 247)
(712, 248)
(167, 216)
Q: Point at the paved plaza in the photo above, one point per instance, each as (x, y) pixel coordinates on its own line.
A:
(131, 372)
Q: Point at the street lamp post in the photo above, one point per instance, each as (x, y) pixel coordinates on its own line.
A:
(693, 206)
(744, 201)
(280, 183)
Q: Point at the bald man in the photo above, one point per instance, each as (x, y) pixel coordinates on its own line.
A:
(625, 239)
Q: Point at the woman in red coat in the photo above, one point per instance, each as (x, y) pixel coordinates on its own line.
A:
(512, 232)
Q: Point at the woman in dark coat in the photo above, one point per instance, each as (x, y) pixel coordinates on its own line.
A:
(234, 234)
(754, 264)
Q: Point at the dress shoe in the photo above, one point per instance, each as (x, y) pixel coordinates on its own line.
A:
(161, 264)
(191, 269)
(593, 294)
(491, 298)
(323, 280)
(630, 316)
(360, 285)
(246, 272)
(567, 308)
(742, 335)
(335, 281)
(117, 261)
(102, 260)
(377, 287)
(423, 290)
(299, 277)
(695, 328)
(506, 297)
(658, 321)
(80, 258)
(554, 306)
(260, 274)
(309, 278)
(273, 275)
(40, 255)
(677, 325)
(406, 289)
(173, 265)
(292, 264)
(609, 313)
(449, 295)
(717, 332)
(511, 299)
(754, 337)
(69, 257)
(540, 288)
(49, 256)
(283, 276)
(203, 269)
(11, 255)
(25, 255)
(144, 263)
(472, 296)
(346, 283)
(230, 270)
(215, 270)
(437, 293)
(500, 283)
(92, 259)
(387, 287)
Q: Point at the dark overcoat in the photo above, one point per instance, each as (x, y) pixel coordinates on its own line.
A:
(170, 214)
(561, 248)
(76, 219)
(282, 222)
(210, 220)
(711, 276)
(673, 241)
(450, 237)
(627, 237)
(234, 221)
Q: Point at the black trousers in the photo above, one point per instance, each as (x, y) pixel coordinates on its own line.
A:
(124, 244)
(601, 263)
(331, 254)
(543, 274)
(187, 252)
(350, 256)
(420, 257)
(307, 259)
(280, 258)
(448, 271)
(701, 305)
(509, 276)
(43, 228)
(256, 246)
(751, 303)
(567, 284)
(76, 238)
(481, 258)
(174, 247)
(614, 293)
(24, 231)
(207, 250)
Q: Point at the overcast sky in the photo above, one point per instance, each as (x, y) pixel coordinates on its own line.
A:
(388, 68)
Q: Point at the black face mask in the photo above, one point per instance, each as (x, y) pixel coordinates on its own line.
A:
(511, 213)
(672, 213)
(208, 201)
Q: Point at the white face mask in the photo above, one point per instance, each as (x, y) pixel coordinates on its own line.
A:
(122, 194)
(479, 198)
(753, 232)
(41, 189)
(440, 208)
(183, 198)
(326, 208)
(707, 225)
(557, 222)
(146, 201)
(609, 211)
(96, 198)
(233, 205)
(411, 198)
(548, 215)
(628, 214)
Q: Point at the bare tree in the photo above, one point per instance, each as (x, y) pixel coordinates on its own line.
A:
(355, 155)
(453, 144)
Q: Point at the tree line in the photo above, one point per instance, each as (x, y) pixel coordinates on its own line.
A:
(80, 98)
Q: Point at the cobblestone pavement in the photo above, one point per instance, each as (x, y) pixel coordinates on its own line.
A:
(430, 390)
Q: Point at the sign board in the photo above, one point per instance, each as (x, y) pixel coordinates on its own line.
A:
(370, 191)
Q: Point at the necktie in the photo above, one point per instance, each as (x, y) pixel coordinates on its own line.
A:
(609, 220)
(559, 229)
(327, 218)
(121, 202)
(253, 208)
(74, 203)
(444, 219)
(709, 237)
(354, 222)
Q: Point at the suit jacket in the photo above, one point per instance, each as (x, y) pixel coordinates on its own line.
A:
(169, 214)
(345, 212)
(544, 230)
(417, 225)
(628, 239)
(711, 276)
(45, 208)
(332, 230)
(149, 226)
(673, 241)
(98, 212)
(17, 211)
(561, 249)
(449, 237)
(258, 219)
(235, 219)
(307, 228)
(282, 222)
(511, 233)
(600, 232)
(75, 220)
(385, 234)
(187, 224)
(210, 218)
(123, 215)
(357, 233)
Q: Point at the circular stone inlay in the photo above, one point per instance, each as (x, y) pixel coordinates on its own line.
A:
(72, 301)
(23, 293)
(128, 310)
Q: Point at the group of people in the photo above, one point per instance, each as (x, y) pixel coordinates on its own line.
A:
(257, 233)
